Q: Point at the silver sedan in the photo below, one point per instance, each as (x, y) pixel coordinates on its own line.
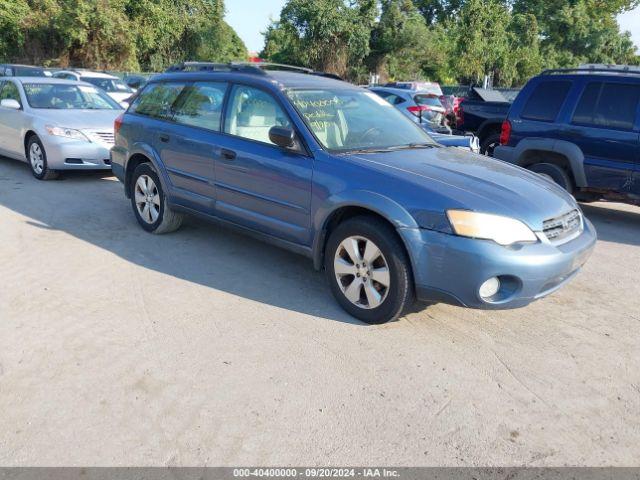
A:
(56, 125)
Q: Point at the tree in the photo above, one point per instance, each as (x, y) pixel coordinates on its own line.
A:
(481, 40)
(11, 25)
(402, 44)
(438, 11)
(116, 34)
(327, 35)
(581, 31)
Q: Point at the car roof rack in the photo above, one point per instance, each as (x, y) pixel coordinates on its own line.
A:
(243, 67)
(596, 68)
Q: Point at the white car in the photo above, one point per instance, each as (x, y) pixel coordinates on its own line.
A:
(115, 88)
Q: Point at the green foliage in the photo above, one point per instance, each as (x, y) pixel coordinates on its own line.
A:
(449, 40)
(116, 34)
(328, 35)
(11, 36)
(580, 31)
(444, 40)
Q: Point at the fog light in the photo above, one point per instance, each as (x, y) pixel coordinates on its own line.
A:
(489, 288)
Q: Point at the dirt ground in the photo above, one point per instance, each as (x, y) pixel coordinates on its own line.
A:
(205, 347)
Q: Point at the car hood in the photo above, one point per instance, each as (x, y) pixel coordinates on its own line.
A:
(474, 182)
(95, 120)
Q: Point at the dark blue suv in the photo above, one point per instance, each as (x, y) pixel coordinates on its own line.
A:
(581, 129)
(336, 173)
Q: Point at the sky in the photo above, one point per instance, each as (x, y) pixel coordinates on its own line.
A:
(250, 17)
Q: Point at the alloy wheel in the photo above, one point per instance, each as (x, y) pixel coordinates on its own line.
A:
(362, 272)
(147, 199)
(36, 157)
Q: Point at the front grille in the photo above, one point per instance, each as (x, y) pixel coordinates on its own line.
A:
(562, 227)
(104, 137)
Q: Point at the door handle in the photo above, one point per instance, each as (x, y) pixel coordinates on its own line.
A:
(164, 137)
(228, 154)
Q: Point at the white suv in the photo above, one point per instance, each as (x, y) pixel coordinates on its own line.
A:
(112, 85)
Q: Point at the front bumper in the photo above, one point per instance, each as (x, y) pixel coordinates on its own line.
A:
(63, 154)
(451, 269)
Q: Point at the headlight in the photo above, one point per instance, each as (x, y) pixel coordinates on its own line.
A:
(502, 230)
(67, 133)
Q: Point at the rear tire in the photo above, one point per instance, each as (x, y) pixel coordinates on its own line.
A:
(149, 202)
(554, 173)
(377, 285)
(37, 159)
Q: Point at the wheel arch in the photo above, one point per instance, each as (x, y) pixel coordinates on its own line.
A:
(561, 153)
(337, 210)
(142, 153)
(27, 136)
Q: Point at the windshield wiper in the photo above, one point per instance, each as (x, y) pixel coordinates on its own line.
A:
(409, 146)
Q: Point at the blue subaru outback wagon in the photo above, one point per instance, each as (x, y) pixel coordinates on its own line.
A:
(334, 172)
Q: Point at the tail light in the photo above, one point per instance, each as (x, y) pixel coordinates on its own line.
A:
(505, 135)
(418, 110)
(117, 124)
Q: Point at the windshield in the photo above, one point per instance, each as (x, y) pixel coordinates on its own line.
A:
(64, 97)
(108, 84)
(347, 119)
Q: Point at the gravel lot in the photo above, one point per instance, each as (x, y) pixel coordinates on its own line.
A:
(205, 347)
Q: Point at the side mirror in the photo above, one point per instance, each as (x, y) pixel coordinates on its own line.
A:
(282, 136)
(10, 103)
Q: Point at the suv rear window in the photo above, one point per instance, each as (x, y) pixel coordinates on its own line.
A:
(545, 102)
(157, 99)
(608, 105)
(430, 100)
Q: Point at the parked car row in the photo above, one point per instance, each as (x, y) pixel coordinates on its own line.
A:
(425, 108)
(121, 90)
(350, 177)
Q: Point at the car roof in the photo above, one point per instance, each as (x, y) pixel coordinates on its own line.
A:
(278, 78)
(49, 80)
(599, 71)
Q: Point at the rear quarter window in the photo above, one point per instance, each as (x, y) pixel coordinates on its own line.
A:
(157, 100)
(608, 105)
(546, 100)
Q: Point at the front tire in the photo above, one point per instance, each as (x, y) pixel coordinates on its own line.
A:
(149, 202)
(37, 158)
(368, 270)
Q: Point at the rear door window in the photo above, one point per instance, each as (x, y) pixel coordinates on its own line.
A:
(201, 105)
(608, 105)
(157, 100)
(545, 102)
